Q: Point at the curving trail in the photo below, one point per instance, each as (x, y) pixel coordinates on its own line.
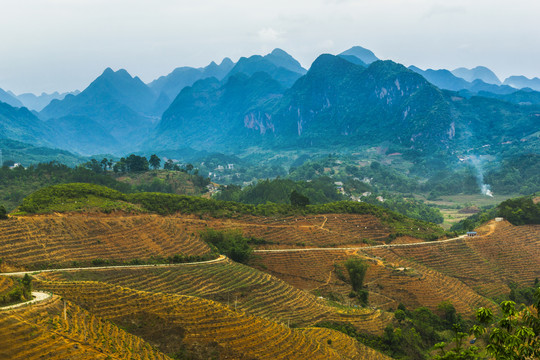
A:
(35, 272)
(356, 249)
(38, 296)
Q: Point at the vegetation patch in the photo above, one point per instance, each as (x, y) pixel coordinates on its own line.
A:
(77, 196)
(230, 242)
(518, 211)
(19, 291)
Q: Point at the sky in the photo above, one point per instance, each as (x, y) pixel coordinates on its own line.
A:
(62, 45)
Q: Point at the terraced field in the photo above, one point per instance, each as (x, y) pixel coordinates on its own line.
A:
(401, 281)
(486, 264)
(389, 279)
(308, 270)
(466, 272)
(65, 240)
(344, 344)
(197, 320)
(237, 285)
(42, 331)
(40, 241)
(312, 230)
(5, 284)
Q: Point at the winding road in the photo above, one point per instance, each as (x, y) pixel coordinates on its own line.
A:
(35, 272)
(41, 296)
(423, 243)
(37, 295)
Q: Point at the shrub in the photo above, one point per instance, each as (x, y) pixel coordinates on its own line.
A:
(231, 243)
(3, 213)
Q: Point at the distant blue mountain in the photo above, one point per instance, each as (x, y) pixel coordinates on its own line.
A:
(83, 135)
(282, 59)
(445, 79)
(211, 113)
(38, 102)
(78, 134)
(338, 105)
(520, 82)
(353, 59)
(9, 99)
(169, 86)
(367, 56)
(477, 73)
(21, 125)
(28, 154)
(121, 104)
(278, 64)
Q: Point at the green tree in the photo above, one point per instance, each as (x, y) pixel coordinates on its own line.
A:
(27, 286)
(104, 164)
(136, 163)
(3, 213)
(231, 243)
(155, 162)
(515, 336)
(93, 165)
(517, 333)
(298, 199)
(189, 167)
(169, 165)
(357, 271)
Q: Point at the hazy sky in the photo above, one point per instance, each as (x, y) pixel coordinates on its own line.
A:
(63, 45)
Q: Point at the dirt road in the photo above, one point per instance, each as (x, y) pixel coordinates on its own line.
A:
(37, 295)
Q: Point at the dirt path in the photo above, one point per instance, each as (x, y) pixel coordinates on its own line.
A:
(424, 243)
(35, 272)
(37, 295)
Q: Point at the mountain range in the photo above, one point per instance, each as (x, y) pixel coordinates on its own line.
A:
(349, 101)
(337, 104)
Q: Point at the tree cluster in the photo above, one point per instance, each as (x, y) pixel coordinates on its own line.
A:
(3, 213)
(284, 191)
(22, 291)
(230, 242)
(514, 336)
(357, 268)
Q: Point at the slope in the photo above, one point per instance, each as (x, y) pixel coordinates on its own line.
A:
(8, 98)
(209, 115)
(171, 84)
(20, 124)
(58, 330)
(236, 285)
(281, 66)
(76, 240)
(194, 320)
(487, 264)
(119, 103)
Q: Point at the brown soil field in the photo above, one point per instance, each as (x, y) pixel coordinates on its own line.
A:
(70, 240)
(5, 284)
(237, 285)
(55, 240)
(467, 272)
(486, 264)
(196, 320)
(41, 331)
(303, 231)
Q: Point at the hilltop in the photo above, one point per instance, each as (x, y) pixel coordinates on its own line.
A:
(90, 197)
(93, 223)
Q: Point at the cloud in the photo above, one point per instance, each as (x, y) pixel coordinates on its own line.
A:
(269, 35)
